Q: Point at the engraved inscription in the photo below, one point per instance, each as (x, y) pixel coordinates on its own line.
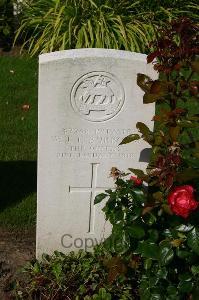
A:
(84, 143)
(93, 190)
(97, 96)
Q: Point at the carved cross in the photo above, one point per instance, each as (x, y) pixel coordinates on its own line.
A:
(93, 190)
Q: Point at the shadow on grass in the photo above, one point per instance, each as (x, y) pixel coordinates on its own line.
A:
(18, 180)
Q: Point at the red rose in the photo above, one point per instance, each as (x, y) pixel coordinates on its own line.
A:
(137, 181)
(181, 200)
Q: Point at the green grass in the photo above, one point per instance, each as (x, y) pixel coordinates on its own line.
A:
(18, 141)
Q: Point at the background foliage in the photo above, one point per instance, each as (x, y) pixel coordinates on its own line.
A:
(6, 24)
(49, 25)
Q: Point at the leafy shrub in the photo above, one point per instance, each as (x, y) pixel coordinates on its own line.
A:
(160, 227)
(6, 24)
(76, 276)
(49, 25)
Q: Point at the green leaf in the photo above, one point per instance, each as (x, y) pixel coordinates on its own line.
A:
(138, 195)
(99, 198)
(193, 161)
(57, 270)
(153, 235)
(144, 82)
(119, 214)
(150, 219)
(147, 263)
(193, 240)
(185, 286)
(184, 228)
(136, 231)
(182, 254)
(162, 273)
(167, 233)
(109, 191)
(121, 243)
(185, 277)
(166, 255)
(172, 291)
(137, 212)
(36, 268)
(151, 98)
(156, 297)
(144, 130)
(153, 280)
(148, 249)
(195, 270)
(144, 290)
(193, 118)
(130, 138)
(103, 295)
(187, 124)
(147, 135)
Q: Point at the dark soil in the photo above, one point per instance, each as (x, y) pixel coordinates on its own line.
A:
(15, 51)
(16, 249)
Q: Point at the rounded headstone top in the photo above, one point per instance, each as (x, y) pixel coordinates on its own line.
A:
(91, 52)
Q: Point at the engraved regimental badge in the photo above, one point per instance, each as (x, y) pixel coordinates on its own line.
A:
(97, 96)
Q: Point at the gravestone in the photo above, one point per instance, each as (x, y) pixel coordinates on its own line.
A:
(88, 102)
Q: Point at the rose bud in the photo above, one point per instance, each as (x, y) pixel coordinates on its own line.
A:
(181, 200)
(137, 181)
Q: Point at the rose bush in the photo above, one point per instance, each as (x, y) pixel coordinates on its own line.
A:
(156, 230)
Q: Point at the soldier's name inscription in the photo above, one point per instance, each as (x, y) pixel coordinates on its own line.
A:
(88, 143)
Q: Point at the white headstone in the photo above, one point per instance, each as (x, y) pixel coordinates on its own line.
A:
(88, 102)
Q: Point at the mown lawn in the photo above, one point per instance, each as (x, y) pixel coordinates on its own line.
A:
(18, 141)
